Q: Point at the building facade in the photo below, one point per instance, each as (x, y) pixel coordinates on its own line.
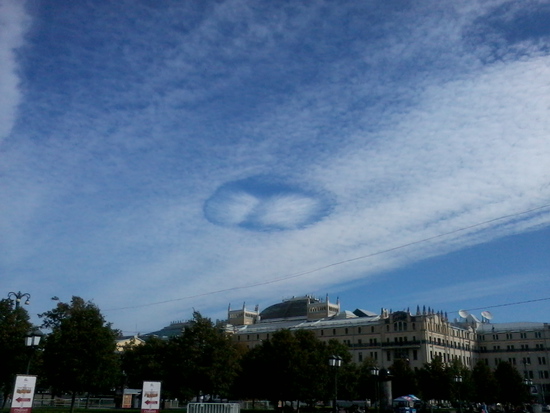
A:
(418, 336)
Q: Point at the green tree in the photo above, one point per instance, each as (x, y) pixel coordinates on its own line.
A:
(434, 381)
(145, 362)
(511, 388)
(297, 365)
(484, 383)
(249, 383)
(79, 354)
(14, 326)
(367, 383)
(202, 361)
(404, 379)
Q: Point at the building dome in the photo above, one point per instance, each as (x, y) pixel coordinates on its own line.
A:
(291, 308)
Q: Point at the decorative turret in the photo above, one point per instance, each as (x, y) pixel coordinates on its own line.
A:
(317, 309)
(242, 316)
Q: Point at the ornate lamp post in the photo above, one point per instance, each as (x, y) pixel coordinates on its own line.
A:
(17, 297)
(458, 380)
(335, 362)
(32, 340)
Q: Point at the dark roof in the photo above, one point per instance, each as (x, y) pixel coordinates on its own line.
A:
(295, 307)
(173, 330)
(364, 313)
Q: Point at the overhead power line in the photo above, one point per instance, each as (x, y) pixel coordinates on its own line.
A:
(361, 257)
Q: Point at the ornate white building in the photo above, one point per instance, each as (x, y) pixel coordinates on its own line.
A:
(417, 336)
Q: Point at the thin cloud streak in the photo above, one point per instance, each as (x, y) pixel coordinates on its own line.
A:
(478, 289)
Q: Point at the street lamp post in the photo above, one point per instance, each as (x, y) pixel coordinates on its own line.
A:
(335, 362)
(32, 340)
(528, 384)
(18, 296)
(458, 380)
(375, 371)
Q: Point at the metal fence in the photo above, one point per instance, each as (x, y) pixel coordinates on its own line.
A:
(92, 402)
(213, 408)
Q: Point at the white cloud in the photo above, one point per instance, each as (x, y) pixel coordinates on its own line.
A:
(288, 211)
(114, 188)
(13, 23)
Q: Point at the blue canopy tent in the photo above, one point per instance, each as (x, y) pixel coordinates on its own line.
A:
(407, 398)
(405, 404)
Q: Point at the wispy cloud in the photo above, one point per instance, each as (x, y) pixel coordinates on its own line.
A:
(13, 24)
(171, 151)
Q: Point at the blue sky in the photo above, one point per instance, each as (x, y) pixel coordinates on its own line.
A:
(157, 157)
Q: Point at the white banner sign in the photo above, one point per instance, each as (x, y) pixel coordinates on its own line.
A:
(150, 397)
(23, 394)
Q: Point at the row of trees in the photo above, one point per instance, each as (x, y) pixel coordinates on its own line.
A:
(79, 356)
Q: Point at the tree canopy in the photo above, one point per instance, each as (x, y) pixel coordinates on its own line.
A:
(14, 326)
(79, 353)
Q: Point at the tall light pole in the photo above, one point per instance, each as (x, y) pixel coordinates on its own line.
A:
(17, 297)
(335, 362)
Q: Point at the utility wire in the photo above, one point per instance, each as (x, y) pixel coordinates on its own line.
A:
(361, 257)
(505, 305)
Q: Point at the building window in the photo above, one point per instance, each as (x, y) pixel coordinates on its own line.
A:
(415, 355)
(388, 356)
(360, 357)
(542, 361)
(333, 331)
(359, 330)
